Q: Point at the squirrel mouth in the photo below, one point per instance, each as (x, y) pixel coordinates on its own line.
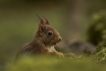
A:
(54, 43)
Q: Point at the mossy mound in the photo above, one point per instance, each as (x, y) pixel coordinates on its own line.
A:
(45, 63)
(97, 29)
(101, 56)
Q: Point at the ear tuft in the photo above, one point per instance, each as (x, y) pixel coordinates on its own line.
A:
(43, 20)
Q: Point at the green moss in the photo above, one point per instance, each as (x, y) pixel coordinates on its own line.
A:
(101, 56)
(95, 33)
(48, 63)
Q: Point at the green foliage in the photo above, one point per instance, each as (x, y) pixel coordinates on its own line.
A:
(101, 56)
(96, 30)
(100, 53)
(100, 47)
(47, 63)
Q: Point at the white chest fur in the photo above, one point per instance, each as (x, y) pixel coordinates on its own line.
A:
(51, 49)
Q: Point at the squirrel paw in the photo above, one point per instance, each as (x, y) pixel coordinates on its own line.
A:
(61, 55)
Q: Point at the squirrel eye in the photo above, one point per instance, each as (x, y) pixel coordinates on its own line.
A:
(50, 33)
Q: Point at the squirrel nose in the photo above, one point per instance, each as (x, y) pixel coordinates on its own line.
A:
(59, 39)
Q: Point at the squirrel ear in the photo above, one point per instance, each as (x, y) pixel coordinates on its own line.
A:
(43, 20)
(41, 29)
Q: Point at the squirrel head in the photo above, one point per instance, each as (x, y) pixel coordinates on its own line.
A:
(48, 35)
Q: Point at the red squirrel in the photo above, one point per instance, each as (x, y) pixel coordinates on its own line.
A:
(44, 40)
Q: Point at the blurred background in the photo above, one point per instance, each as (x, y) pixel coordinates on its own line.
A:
(79, 21)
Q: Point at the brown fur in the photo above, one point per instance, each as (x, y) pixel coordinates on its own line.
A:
(42, 40)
